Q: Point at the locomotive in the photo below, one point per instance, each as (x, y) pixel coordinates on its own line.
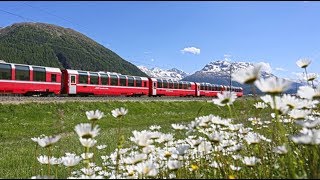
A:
(23, 79)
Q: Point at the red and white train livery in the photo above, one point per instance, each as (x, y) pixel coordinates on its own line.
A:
(29, 80)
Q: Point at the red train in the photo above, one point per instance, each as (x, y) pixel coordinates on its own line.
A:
(38, 80)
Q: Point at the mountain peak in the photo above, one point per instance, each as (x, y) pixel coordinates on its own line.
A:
(173, 74)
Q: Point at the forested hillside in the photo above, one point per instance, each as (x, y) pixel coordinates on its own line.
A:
(50, 45)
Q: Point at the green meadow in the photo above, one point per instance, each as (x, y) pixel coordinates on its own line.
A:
(19, 123)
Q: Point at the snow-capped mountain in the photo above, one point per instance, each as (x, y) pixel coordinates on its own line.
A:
(218, 72)
(223, 68)
(173, 74)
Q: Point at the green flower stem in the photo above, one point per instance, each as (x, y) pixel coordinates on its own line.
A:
(305, 69)
(49, 155)
(86, 156)
(118, 146)
(276, 117)
(230, 111)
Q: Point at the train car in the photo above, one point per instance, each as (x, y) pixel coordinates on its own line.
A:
(29, 80)
(210, 90)
(164, 87)
(77, 82)
(239, 91)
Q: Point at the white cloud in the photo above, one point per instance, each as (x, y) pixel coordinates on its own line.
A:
(265, 67)
(192, 50)
(280, 69)
(152, 59)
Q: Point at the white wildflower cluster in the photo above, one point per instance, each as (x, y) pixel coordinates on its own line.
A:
(207, 137)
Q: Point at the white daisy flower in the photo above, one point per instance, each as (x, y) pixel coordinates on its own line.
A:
(247, 75)
(87, 142)
(87, 155)
(299, 114)
(250, 161)
(48, 140)
(137, 158)
(88, 171)
(55, 161)
(309, 123)
(216, 165)
(292, 101)
(119, 112)
(154, 127)
(303, 63)
(101, 146)
(147, 169)
(71, 159)
(94, 115)
(182, 149)
(178, 126)
(43, 159)
(307, 137)
(174, 164)
(308, 92)
(280, 105)
(141, 139)
(252, 138)
(226, 98)
(312, 76)
(84, 130)
(273, 85)
(280, 149)
(235, 168)
(260, 105)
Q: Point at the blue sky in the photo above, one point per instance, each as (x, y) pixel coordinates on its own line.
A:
(154, 34)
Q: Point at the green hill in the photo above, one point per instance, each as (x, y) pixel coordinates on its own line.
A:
(54, 46)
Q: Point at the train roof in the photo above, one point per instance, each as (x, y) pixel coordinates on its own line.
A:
(49, 69)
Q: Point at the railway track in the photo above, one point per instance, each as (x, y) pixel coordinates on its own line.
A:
(62, 99)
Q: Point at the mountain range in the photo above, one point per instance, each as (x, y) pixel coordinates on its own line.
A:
(215, 72)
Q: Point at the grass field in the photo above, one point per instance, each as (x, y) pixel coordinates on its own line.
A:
(19, 123)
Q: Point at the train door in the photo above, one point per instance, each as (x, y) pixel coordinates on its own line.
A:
(152, 87)
(197, 89)
(72, 84)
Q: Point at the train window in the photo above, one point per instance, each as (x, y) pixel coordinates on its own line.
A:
(22, 73)
(39, 74)
(5, 71)
(104, 79)
(138, 82)
(170, 84)
(94, 78)
(189, 85)
(53, 78)
(145, 84)
(73, 79)
(159, 83)
(175, 85)
(114, 80)
(130, 81)
(180, 85)
(83, 77)
(165, 84)
(215, 88)
(123, 80)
